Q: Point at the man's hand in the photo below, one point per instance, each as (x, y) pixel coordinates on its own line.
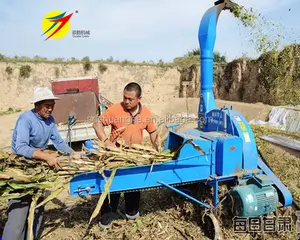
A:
(52, 160)
(110, 144)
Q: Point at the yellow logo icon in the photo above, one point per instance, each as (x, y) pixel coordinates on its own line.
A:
(56, 24)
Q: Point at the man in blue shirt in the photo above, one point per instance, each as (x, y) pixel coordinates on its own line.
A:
(31, 135)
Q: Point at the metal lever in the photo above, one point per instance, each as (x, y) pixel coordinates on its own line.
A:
(172, 126)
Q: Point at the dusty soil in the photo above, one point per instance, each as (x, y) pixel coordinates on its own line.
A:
(165, 215)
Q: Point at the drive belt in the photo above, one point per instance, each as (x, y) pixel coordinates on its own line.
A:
(157, 187)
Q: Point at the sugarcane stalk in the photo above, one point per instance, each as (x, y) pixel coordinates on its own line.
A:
(31, 215)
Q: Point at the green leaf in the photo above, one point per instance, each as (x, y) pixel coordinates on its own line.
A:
(53, 194)
(103, 195)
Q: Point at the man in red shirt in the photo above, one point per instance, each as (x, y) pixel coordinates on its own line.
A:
(128, 119)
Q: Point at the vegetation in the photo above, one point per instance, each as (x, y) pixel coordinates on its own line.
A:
(57, 72)
(193, 57)
(264, 35)
(102, 67)
(9, 111)
(87, 66)
(280, 75)
(87, 63)
(25, 71)
(33, 177)
(247, 17)
(218, 57)
(8, 70)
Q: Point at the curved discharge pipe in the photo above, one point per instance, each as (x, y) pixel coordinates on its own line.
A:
(207, 37)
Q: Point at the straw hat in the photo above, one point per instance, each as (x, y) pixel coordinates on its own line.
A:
(41, 94)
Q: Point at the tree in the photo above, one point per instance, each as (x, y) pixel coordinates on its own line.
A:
(2, 57)
(218, 57)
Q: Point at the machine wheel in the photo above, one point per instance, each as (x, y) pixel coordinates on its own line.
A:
(212, 227)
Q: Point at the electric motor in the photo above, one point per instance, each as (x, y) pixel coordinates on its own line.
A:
(254, 199)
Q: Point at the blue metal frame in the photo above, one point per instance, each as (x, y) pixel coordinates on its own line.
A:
(183, 194)
(190, 165)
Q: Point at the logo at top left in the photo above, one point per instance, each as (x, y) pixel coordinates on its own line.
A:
(56, 24)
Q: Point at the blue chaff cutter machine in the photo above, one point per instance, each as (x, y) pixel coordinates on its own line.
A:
(229, 151)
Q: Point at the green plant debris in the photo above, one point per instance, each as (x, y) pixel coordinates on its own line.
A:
(265, 35)
(279, 69)
(279, 75)
(246, 16)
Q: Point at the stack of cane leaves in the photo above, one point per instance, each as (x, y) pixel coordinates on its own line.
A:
(126, 156)
(123, 157)
(20, 176)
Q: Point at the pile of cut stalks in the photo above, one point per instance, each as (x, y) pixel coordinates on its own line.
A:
(20, 176)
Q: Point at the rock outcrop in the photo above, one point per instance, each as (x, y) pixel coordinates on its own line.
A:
(273, 78)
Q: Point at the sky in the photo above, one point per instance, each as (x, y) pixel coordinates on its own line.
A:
(136, 30)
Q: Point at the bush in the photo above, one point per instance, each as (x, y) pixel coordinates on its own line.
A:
(56, 72)
(25, 71)
(110, 59)
(218, 57)
(2, 57)
(9, 70)
(160, 63)
(102, 67)
(86, 64)
(126, 62)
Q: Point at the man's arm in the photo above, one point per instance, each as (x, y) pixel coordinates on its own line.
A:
(59, 143)
(23, 148)
(153, 138)
(50, 158)
(99, 129)
(104, 120)
(151, 129)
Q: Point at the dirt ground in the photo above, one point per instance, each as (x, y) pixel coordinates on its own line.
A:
(165, 215)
